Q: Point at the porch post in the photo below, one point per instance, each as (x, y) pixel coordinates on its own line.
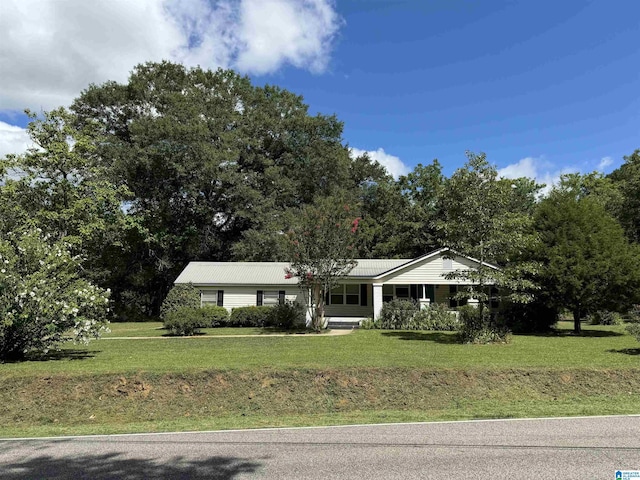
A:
(377, 299)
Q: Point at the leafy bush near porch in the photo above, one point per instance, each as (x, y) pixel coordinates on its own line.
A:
(481, 328)
(287, 315)
(407, 315)
(436, 316)
(398, 315)
(180, 296)
(604, 317)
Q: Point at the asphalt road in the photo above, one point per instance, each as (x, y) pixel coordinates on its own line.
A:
(578, 448)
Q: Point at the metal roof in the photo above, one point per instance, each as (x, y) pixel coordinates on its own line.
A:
(268, 273)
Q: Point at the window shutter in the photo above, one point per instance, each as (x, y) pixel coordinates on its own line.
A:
(220, 301)
(453, 303)
(281, 295)
(414, 292)
(430, 293)
(259, 298)
(363, 294)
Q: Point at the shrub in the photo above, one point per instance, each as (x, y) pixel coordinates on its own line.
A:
(287, 315)
(251, 317)
(215, 316)
(436, 316)
(634, 329)
(477, 328)
(180, 296)
(44, 301)
(604, 317)
(397, 314)
(370, 324)
(534, 317)
(186, 320)
(633, 315)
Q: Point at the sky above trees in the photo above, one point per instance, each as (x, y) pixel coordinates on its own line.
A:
(542, 88)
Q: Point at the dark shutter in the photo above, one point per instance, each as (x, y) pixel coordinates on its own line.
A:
(430, 293)
(259, 298)
(414, 292)
(220, 301)
(453, 303)
(327, 297)
(281, 295)
(363, 294)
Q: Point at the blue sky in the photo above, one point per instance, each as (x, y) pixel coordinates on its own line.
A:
(542, 87)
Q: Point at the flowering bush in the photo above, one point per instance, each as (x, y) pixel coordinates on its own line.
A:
(43, 300)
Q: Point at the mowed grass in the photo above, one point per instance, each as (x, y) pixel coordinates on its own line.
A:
(598, 347)
(213, 382)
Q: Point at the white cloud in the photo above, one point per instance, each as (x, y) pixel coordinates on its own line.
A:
(392, 163)
(13, 139)
(537, 168)
(50, 51)
(605, 162)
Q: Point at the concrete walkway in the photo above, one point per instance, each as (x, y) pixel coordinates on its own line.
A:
(330, 333)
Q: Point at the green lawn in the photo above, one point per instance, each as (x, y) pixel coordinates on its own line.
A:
(170, 383)
(599, 347)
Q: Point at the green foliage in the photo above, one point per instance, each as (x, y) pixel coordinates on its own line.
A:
(627, 180)
(477, 326)
(287, 316)
(251, 317)
(370, 324)
(604, 317)
(322, 251)
(489, 218)
(186, 321)
(215, 316)
(43, 300)
(532, 317)
(435, 317)
(634, 329)
(633, 315)
(181, 295)
(587, 263)
(398, 314)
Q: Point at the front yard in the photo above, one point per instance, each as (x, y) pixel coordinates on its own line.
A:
(210, 382)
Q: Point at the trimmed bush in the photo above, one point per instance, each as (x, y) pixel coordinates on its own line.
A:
(370, 324)
(287, 315)
(215, 316)
(476, 328)
(251, 317)
(397, 314)
(180, 296)
(186, 320)
(604, 317)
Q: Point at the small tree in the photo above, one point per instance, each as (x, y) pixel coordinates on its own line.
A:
(489, 219)
(322, 252)
(43, 300)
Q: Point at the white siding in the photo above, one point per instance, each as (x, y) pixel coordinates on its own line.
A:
(429, 271)
(238, 296)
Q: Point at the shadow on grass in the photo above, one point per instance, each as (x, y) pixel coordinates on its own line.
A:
(177, 335)
(626, 351)
(437, 337)
(114, 465)
(56, 355)
(569, 333)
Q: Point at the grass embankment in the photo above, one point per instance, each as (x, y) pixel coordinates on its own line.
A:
(367, 376)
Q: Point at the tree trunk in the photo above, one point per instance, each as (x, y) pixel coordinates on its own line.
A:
(577, 327)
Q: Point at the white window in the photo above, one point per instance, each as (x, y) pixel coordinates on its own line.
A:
(212, 297)
(447, 264)
(270, 297)
(348, 294)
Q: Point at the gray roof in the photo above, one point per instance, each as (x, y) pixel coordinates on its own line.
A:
(268, 273)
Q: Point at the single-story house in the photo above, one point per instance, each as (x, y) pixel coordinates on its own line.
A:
(358, 296)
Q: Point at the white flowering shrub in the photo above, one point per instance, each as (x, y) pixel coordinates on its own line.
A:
(43, 300)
